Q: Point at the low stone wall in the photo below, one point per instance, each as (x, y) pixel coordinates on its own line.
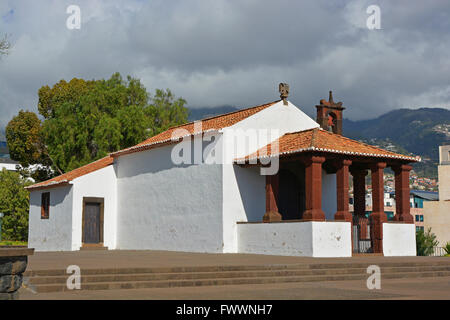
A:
(296, 238)
(399, 239)
(13, 262)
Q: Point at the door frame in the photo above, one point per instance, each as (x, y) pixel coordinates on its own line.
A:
(100, 201)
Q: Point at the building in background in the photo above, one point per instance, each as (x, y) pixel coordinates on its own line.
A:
(418, 197)
(416, 201)
(437, 213)
(8, 164)
(5, 160)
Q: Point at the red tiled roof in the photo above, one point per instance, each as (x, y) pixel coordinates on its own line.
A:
(69, 176)
(320, 140)
(209, 124)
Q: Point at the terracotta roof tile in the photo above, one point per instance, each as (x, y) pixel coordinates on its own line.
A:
(209, 124)
(323, 141)
(69, 176)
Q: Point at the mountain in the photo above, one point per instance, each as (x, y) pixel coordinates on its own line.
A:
(417, 131)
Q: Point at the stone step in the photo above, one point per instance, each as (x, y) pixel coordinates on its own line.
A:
(62, 272)
(230, 281)
(224, 274)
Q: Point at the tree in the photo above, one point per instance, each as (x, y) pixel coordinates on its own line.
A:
(23, 136)
(166, 111)
(86, 120)
(25, 144)
(14, 203)
(425, 242)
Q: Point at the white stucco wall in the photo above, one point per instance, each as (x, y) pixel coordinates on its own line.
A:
(244, 199)
(399, 239)
(278, 118)
(332, 239)
(164, 206)
(244, 188)
(309, 239)
(100, 184)
(55, 233)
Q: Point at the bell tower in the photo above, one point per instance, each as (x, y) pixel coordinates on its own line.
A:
(329, 115)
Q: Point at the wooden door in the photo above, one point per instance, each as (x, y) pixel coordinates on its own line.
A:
(91, 223)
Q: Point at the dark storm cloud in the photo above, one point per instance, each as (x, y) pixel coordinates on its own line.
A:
(235, 52)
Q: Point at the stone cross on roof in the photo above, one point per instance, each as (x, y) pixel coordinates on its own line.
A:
(284, 92)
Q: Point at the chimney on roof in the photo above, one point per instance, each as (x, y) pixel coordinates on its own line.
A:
(284, 92)
(329, 115)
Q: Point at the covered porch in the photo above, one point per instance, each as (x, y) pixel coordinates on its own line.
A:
(295, 194)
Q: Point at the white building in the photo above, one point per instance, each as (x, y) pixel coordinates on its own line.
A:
(437, 213)
(185, 190)
(8, 164)
(388, 201)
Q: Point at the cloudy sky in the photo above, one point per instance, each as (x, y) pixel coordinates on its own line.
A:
(235, 52)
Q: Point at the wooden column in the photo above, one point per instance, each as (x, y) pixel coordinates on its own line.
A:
(272, 187)
(342, 191)
(378, 216)
(313, 189)
(402, 206)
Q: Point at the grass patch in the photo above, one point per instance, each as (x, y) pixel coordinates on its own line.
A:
(13, 243)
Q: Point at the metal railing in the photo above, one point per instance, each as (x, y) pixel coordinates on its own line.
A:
(361, 242)
(438, 252)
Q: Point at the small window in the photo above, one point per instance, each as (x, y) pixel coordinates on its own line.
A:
(417, 218)
(421, 218)
(45, 205)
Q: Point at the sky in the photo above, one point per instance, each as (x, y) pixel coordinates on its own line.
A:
(235, 52)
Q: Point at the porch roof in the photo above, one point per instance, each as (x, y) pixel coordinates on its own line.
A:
(319, 140)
